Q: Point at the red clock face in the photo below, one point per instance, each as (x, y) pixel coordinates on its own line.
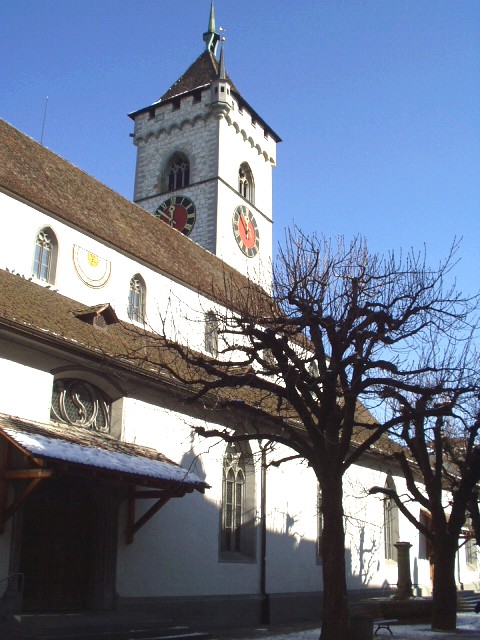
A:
(245, 230)
(178, 212)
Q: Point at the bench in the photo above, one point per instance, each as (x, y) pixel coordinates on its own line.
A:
(384, 624)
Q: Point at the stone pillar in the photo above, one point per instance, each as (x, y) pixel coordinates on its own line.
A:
(404, 584)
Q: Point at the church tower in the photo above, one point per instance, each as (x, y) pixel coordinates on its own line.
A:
(204, 164)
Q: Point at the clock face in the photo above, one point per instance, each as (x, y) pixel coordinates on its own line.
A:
(245, 229)
(178, 212)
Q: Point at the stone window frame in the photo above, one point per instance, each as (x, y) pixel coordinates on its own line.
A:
(237, 518)
(80, 403)
(176, 173)
(246, 183)
(45, 255)
(137, 296)
(109, 390)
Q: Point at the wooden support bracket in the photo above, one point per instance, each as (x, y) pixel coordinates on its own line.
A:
(162, 496)
(9, 475)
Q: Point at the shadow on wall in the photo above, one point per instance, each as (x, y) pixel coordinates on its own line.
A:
(182, 544)
(193, 462)
(368, 560)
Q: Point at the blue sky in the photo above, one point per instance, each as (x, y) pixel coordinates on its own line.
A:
(377, 102)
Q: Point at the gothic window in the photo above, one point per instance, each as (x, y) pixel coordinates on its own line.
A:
(246, 186)
(80, 404)
(178, 172)
(471, 546)
(238, 530)
(211, 333)
(45, 258)
(319, 524)
(136, 299)
(390, 523)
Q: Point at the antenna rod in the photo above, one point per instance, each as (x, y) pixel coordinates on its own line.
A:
(44, 117)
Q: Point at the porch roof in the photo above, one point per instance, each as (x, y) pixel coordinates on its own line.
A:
(82, 450)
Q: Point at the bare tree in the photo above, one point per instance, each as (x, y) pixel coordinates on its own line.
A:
(309, 363)
(441, 464)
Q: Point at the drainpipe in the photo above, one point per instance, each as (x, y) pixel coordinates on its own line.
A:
(459, 576)
(265, 610)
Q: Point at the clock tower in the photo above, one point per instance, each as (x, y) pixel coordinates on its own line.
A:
(204, 164)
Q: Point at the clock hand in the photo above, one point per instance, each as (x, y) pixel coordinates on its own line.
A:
(246, 220)
(165, 215)
(169, 216)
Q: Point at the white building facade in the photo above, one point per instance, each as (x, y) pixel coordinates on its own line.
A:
(85, 268)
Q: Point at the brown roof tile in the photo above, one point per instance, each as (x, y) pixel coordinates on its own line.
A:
(200, 74)
(29, 308)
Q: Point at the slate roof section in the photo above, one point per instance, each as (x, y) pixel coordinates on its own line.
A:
(37, 175)
(86, 450)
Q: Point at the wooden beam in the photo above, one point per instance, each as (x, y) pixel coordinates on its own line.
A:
(132, 526)
(154, 493)
(8, 513)
(25, 474)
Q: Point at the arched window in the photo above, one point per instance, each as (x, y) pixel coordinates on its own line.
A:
(238, 529)
(246, 186)
(80, 404)
(319, 524)
(211, 333)
(471, 545)
(178, 172)
(45, 258)
(136, 299)
(390, 523)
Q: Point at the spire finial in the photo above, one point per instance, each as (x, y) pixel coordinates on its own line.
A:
(221, 67)
(211, 37)
(211, 21)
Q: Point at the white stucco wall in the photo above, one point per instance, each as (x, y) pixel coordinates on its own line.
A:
(180, 308)
(26, 391)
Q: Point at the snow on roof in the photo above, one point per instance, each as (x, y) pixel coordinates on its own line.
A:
(134, 464)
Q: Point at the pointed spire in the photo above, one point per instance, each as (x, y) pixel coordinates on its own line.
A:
(211, 21)
(211, 37)
(221, 68)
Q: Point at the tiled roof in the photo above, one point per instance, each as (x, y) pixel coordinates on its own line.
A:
(26, 307)
(200, 74)
(49, 182)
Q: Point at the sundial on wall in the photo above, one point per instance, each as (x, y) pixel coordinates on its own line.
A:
(93, 270)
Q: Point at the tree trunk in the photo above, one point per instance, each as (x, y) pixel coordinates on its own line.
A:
(335, 620)
(444, 611)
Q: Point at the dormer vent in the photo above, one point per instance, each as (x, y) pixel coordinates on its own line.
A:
(99, 316)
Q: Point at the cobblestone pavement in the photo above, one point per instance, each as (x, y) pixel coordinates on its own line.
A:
(468, 628)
